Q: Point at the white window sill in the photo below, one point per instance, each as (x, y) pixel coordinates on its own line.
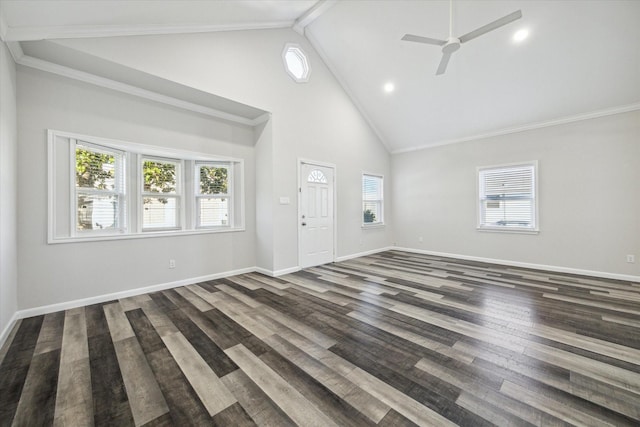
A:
(375, 225)
(145, 235)
(509, 230)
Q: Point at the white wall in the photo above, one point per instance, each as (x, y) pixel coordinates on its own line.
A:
(8, 187)
(264, 196)
(589, 197)
(315, 120)
(58, 273)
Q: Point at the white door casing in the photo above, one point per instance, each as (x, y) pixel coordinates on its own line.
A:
(315, 214)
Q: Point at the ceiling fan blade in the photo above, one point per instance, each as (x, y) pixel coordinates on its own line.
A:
(492, 26)
(427, 40)
(443, 63)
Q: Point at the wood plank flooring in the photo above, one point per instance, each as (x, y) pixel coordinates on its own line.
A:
(392, 339)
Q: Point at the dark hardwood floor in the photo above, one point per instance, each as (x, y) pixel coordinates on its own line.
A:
(393, 339)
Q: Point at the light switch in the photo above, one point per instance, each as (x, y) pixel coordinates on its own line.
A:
(285, 200)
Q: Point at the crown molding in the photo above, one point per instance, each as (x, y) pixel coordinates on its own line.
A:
(347, 89)
(84, 31)
(261, 119)
(39, 64)
(311, 15)
(538, 125)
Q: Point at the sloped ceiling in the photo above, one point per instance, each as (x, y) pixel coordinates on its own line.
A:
(582, 58)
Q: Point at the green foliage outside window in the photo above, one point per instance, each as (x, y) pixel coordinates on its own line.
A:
(213, 180)
(369, 216)
(159, 177)
(97, 170)
(94, 170)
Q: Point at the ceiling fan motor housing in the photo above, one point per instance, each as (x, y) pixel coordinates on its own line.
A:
(452, 45)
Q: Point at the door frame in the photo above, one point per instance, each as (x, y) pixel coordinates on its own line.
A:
(302, 161)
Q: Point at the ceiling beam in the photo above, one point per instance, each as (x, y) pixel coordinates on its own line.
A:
(311, 15)
(19, 34)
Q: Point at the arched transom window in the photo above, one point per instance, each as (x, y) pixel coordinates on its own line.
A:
(317, 176)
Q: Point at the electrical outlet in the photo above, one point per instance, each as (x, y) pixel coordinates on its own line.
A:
(420, 239)
(631, 259)
(172, 263)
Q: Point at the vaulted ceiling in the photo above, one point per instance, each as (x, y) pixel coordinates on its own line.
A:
(581, 57)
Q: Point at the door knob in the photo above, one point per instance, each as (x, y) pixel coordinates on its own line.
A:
(304, 223)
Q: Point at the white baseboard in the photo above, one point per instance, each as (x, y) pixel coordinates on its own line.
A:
(337, 259)
(7, 329)
(276, 273)
(554, 268)
(264, 271)
(290, 270)
(286, 271)
(37, 311)
(365, 253)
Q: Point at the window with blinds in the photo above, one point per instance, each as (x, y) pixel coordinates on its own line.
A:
(213, 195)
(372, 200)
(161, 194)
(99, 188)
(507, 197)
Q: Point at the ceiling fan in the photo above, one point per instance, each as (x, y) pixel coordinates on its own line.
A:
(453, 43)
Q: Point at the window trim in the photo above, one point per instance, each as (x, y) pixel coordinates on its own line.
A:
(514, 230)
(133, 178)
(380, 223)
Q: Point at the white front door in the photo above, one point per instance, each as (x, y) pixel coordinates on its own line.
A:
(315, 219)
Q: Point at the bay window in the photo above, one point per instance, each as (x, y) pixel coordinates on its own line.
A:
(102, 189)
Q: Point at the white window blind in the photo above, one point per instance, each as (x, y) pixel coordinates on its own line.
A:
(372, 200)
(508, 197)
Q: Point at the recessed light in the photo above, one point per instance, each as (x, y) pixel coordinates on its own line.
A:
(520, 35)
(389, 87)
